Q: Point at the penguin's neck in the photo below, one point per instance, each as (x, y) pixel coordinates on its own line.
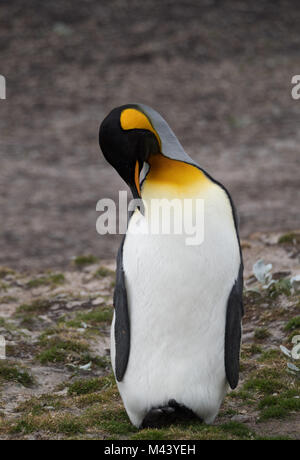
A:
(172, 179)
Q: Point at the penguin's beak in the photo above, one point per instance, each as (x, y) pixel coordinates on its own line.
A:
(135, 186)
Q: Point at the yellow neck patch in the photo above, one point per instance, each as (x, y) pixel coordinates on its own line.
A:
(134, 119)
(170, 178)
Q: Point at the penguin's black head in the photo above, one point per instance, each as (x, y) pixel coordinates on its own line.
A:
(127, 138)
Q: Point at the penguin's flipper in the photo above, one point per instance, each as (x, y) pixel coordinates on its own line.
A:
(122, 325)
(233, 330)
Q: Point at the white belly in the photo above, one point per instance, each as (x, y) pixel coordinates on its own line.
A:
(177, 297)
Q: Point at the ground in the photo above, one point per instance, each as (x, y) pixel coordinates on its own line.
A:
(57, 381)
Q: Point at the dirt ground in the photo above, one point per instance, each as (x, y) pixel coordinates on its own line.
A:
(219, 72)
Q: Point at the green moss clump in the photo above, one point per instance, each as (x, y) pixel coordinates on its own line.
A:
(9, 372)
(50, 280)
(4, 271)
(61, 351)
(24, 426)
(282, 286)
(67, 424)
(238, 429)
(103, 272)
(83, 387)
(266, 381)
(112, 420)
(289, 238)
(38, 306)
(39, 405)
(269, 355)
(293, 324)
(96, 316)
(261, 333)
(82, 261)
(279, 406)
(70, 425)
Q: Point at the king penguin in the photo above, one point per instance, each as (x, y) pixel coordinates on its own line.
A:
(178, 307)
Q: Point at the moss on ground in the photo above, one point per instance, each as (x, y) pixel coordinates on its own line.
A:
(84, 260)
(261, 333)
(55, 279)
(57, 350)
(289, 238)
(38, 306)
(293, 324)
(103, 272)
(10, 372)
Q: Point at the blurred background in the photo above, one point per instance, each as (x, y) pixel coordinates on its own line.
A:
(219, 72)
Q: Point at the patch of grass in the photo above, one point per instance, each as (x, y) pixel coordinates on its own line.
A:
(24, 425)
(88, 400)
(66, 424)
(245, 396)
(11, 373)
(39, 306)
(8, 299)
(279, 406)
(255, 349)
(58, 350)
(197, 430)
(103, 272)
(107, 393)
(261, 333)
(154, 434)
(84, 386)
(266, 381)
(40, 405)
(200, 431)
(239, 430)
(70, 425)
(49, 280)
(3, 287)
(53, 355)
(98, 361)
(4, 271)
(289, 238)
(282, 286)
(113, 420)
(270, 355)
(97, 316)
(82, 261)
(28, 321)
(248, 351)
(293, 324)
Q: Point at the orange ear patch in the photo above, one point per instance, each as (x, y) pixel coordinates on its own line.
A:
(134, 119)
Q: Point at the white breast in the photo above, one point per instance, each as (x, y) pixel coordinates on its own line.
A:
(177, 296)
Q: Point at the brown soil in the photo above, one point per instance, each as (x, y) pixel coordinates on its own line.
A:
(220, 73)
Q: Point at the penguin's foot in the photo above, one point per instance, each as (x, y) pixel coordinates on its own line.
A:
(167, 415)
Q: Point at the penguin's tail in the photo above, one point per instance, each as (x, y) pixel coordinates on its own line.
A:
(170, 414)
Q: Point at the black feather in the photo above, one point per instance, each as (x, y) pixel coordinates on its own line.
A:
(122, 325)
(233, 330)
